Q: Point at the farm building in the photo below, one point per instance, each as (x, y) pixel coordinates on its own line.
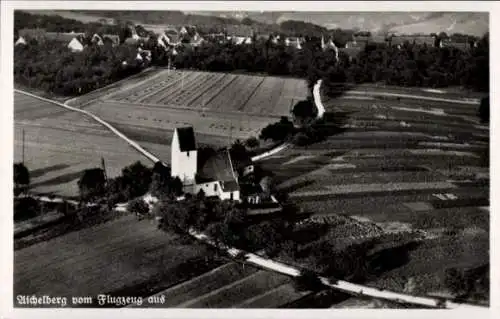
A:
(430, 41)
(294, 41)
(96, 39)
(463, 46)
(64, 36)
(330, 45)
(244, 31)
(218, 175)
(20, 41)
(355, 44)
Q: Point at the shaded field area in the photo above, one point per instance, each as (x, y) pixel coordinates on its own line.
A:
(59, 145)
(232, 285)
(120, 257)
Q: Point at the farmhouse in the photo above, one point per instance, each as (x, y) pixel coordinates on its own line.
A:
(20, 41)
(218, 175)
(75, 45)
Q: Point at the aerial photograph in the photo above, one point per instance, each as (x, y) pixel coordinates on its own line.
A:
(251, 159)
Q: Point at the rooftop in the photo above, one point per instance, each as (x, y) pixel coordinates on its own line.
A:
(186, 138)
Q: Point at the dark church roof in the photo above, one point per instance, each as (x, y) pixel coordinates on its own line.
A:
(186, 139)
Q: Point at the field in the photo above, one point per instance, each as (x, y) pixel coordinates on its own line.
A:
(60, 144)
(116, 258)
(232, 285)
(403, 166)
(218, 105)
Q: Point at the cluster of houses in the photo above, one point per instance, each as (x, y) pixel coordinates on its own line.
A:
(239, 35)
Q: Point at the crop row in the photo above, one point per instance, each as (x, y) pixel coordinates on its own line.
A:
(139, 92)
(183, 85)
(266, 97)
(197, 86)
(169, 88)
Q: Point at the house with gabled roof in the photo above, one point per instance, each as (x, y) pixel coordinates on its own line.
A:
(75, 46)
(20, 41)
(294, 41)
(96, 39)
(216, 176)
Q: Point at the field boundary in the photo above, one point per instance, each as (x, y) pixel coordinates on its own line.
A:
(132, 143)
(192, 109)
(111, 87)
(396, 95)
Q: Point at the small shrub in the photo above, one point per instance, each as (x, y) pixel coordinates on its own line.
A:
(25, 208)
(308, 281)
(138, 206)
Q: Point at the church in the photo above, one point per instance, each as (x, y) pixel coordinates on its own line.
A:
(218, 175)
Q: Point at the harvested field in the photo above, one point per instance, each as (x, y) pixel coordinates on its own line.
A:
(162, 118)
(60, 144)
(216, 104)
(217, 92)
(107, 258)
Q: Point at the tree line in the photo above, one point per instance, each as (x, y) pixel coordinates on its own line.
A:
(53, 68)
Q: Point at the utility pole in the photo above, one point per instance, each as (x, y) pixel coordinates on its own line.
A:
(182, 80)
(103, 165)
(230, 133)
(23, 146)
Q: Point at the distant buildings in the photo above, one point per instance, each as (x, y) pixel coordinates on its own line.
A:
(20, 41)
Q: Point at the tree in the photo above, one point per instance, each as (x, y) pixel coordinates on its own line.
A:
(21, 177)
(308, 281)
(484, 110)
(304, 111)
(25, 208)
(138, 206)
(278, 131)
(252, 142)
(137, 179)
(174, 215)
(92, 184)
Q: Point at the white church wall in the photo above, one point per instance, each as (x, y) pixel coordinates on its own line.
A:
(183, 164)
